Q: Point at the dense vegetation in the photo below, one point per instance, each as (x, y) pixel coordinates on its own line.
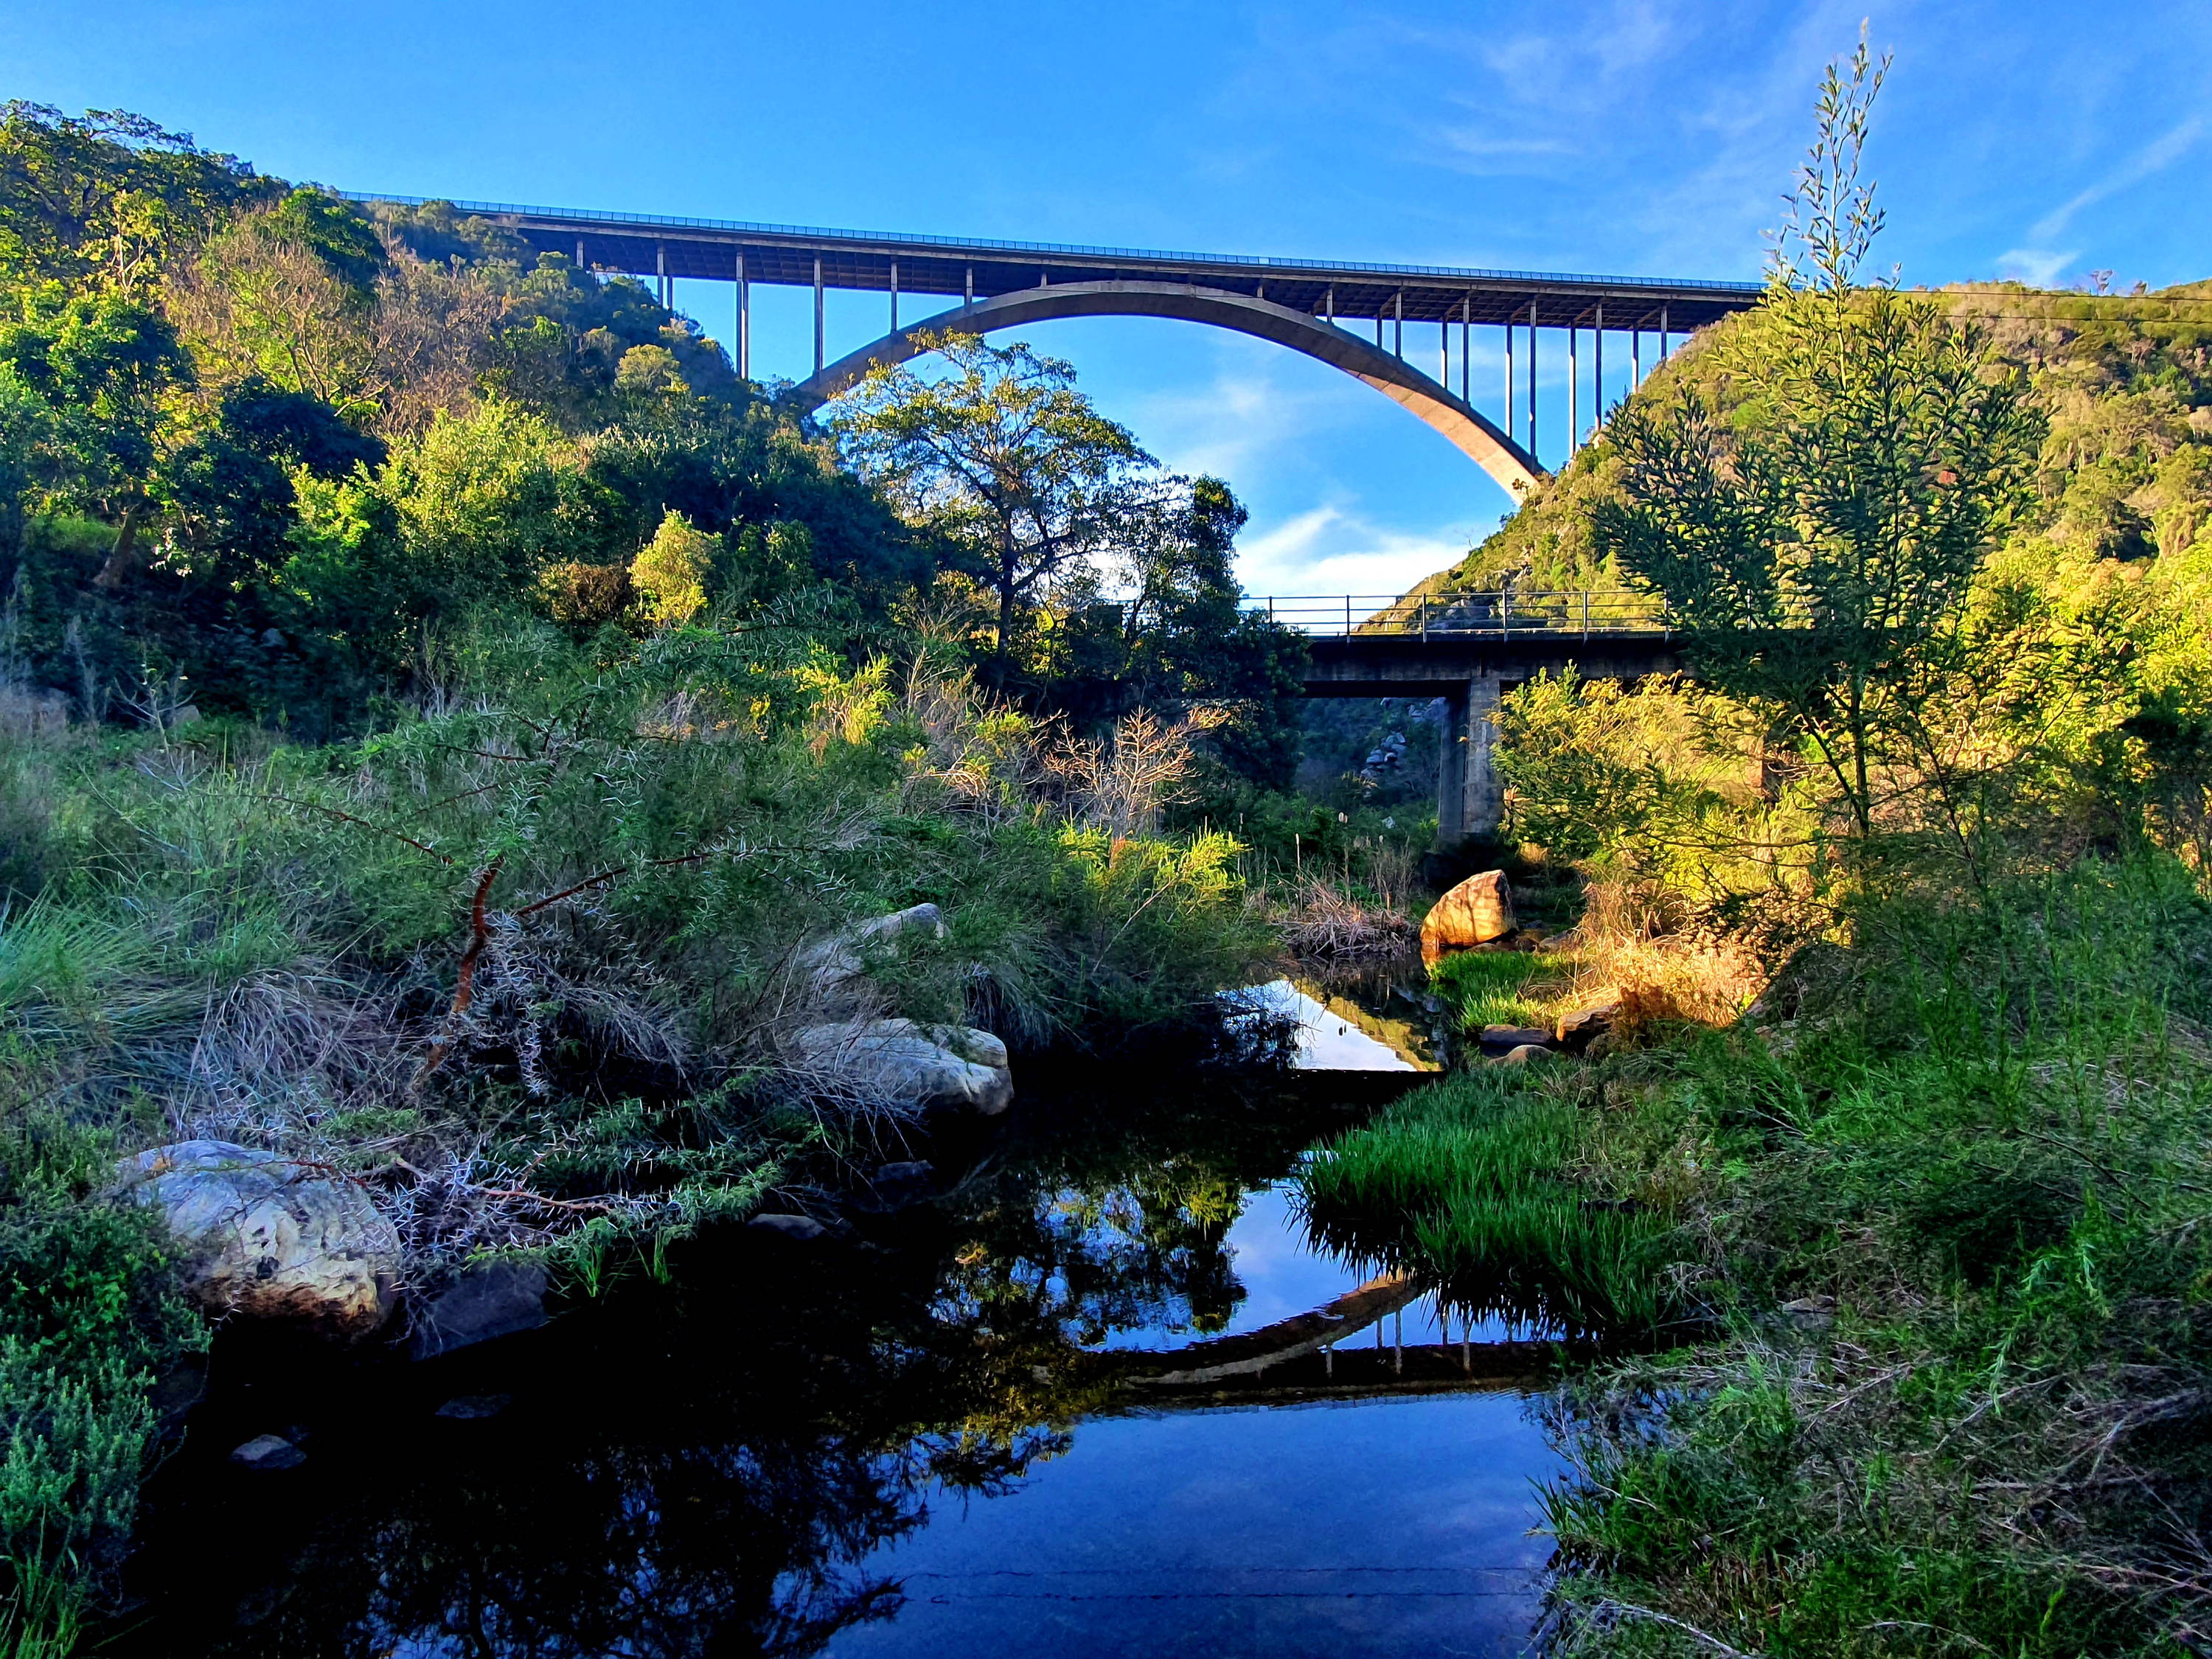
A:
(1887, 1191)
(441, 702)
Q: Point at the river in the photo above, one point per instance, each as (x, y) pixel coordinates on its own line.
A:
(996, 1420)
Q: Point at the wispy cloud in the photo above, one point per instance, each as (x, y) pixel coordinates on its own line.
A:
(2154, 157)
(2039, 265)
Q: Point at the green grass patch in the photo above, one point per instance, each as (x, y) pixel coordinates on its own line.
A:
(1496, 987)
(1479, 1182)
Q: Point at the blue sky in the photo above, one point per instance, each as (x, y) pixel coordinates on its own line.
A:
(2020, 137)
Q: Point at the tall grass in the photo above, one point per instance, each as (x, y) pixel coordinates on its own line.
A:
(1954, 1191)
(1477, 1181)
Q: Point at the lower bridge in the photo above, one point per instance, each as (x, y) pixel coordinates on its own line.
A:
(1470, 649)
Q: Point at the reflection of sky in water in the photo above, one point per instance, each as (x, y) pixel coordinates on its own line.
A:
(1326, 1041)
(1283, 1275)
(1379, 1527)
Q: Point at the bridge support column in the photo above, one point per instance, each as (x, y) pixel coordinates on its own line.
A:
(1470, 799)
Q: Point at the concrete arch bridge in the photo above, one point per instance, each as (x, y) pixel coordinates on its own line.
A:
(1324, 308)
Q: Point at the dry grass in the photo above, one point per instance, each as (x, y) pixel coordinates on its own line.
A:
(1323, 925)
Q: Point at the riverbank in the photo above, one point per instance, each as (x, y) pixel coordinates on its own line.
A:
(1905, 1268)
(544, 972)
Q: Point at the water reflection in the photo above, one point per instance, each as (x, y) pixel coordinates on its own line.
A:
(872, 1444)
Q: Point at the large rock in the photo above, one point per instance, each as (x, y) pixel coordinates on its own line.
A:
(828, 966)
(899, 1063)
(1476, 912)
(1503, 1037)
(269, 1238)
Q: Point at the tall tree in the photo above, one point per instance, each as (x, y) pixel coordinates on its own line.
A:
(1002, 458)
(1815, 539)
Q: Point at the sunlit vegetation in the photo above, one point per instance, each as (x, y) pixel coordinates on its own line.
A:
(1888, 1188)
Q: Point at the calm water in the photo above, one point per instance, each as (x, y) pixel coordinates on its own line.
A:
(923, 1438)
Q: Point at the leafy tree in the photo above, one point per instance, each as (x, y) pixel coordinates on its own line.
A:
(1002, 459)
(1817, 542)
(102, 196)
(670, 572)
(86, 376)
(1158, 621)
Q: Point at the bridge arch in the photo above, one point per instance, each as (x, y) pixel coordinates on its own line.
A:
(1473, 435)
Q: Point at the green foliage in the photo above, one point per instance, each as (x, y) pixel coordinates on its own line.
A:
(88, 1316)
(1814, 542)
(1475, 1182)
(670, 571)
(1963, 1159)
(1001, 459)
(102, 198)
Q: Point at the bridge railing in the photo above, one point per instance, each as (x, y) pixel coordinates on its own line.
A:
(1503, 614)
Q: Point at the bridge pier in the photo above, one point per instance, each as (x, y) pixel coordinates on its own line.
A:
(1470, 796)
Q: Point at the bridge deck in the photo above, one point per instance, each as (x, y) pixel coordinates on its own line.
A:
(710, 249)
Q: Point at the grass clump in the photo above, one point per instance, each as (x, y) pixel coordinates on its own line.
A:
(1479, 1182)
(1499, 987)
(89, 1318)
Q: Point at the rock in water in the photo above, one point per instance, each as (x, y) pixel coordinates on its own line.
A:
(269, 1237)
(472, 1407)
(1477, 911)
(899, 1063)
(487, 1300)
(268, 1451)
(801, 1229)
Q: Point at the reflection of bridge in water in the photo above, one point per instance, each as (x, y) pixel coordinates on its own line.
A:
(1470, 649)
(1353, 1344)
(1324, 308)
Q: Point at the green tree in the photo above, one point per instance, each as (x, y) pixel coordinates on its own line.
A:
(1002, 459)
(1816, 540)
(85, 379)
(1158, 621)
(102, 196)
(670, 571)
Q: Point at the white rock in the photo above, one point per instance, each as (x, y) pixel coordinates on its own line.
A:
(927, 1068)
(269, 1238)
(824, 966)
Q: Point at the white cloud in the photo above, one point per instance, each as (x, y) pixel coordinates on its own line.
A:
(1327, 550)
(2037, 267)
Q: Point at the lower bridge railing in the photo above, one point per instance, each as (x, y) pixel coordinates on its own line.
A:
(1504, 613)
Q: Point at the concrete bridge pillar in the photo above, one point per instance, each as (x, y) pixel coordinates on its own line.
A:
(1470, 799)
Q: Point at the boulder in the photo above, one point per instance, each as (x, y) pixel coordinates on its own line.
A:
(488, 1299)
(268, 1451)
(1576, 1031)
(904, 1181)
(269, 1237)
(899, 1063)
(801, 1229)
(825, 966)
(1478, 911)
(1527, 1054)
